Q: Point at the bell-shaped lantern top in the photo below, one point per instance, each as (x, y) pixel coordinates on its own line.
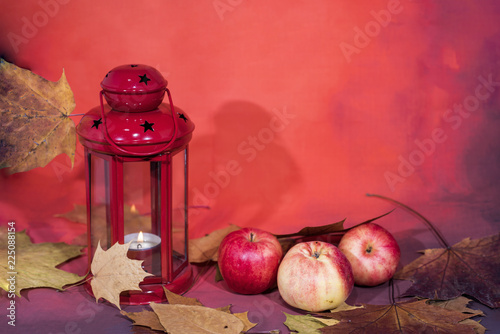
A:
(135, 121)
(134, 88)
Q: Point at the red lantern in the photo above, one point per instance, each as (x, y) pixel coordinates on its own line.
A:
(136, 151)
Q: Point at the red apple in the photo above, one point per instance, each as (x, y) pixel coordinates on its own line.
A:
(249, 259)
(315, 276)
(373, 252)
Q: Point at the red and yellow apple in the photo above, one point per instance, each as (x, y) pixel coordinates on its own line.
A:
(373, 253)
(315, 276)
(249, 259)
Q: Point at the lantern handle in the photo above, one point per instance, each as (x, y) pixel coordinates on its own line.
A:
(121, 149)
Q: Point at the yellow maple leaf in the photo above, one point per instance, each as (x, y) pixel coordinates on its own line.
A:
(113, 272)
(34, 265)
(35, 126)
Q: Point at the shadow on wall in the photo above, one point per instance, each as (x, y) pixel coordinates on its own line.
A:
(241, 173)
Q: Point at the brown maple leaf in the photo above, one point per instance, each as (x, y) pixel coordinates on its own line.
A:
(310, 231)
(206, 248)
(175, 299)
(34, 265)
(338, 227)
(460, 304)
(145, 318)
(470, 267)
(195, 318)
(181, 319)
(35, 126)
(113, 272)
(405, 317)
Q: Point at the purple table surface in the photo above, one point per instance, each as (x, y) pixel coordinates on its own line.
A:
(73, 311)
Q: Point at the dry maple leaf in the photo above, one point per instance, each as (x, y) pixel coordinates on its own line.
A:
(307, 324)
(247, 324)
(35, 126)
(145, 318)
(34, 265)
(460, 304)
(206, 248)
(113, 272)
(405, 317)
(338, 227)
(151, 319)
(470, 267)
(175, 299)
(315, 230)
(181, 319)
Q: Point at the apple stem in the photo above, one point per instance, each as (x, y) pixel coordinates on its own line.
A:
(251, 236)
(425, 220)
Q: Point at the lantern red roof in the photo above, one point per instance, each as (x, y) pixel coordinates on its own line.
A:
(134, 121)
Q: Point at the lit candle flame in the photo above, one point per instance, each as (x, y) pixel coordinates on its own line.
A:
(140, 238)
(133, 209)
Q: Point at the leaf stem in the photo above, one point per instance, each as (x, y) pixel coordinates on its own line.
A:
(425, 220)
(86, 278)
(368, 221)
(391, 284)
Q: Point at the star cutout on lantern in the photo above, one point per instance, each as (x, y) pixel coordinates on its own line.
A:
(97, 123)
(148, 126)
(144, 79)
(182, 116)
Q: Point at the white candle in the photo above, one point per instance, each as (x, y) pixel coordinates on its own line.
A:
(144, 246)
(142, 241)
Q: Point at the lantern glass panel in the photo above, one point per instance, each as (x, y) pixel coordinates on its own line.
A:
(99, 202)
(136, 189)
(141, 214)
(179, 207)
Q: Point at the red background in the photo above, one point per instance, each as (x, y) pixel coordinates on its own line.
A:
(370, 92)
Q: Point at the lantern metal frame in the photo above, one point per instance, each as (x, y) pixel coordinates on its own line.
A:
(176, 280)
(158, 150)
